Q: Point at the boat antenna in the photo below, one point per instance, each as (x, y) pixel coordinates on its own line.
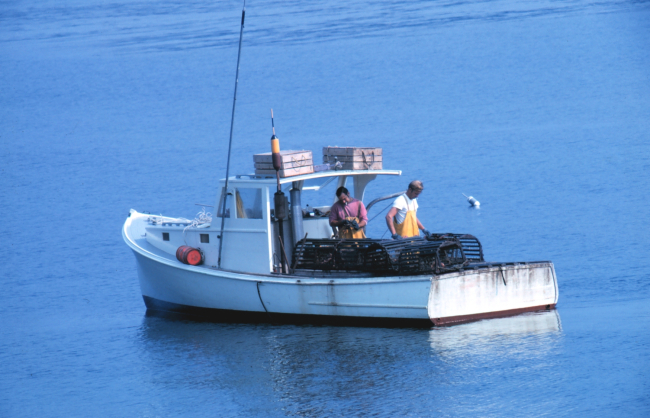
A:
(275, 153)
(279, 199)
(272, 126)
(232, 121)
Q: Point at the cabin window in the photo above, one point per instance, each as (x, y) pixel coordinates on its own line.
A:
(165, 236)
(221, 205)
(205, 238)
(249, 203)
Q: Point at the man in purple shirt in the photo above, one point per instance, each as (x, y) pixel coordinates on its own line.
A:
(349, 215)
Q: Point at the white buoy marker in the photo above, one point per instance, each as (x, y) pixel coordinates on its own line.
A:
(471, 200)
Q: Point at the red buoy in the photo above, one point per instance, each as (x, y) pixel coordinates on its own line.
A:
(188, 255)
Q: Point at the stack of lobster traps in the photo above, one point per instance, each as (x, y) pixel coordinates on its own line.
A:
(434, 254)
(331, 254)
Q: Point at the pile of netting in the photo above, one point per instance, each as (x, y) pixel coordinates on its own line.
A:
(436, 253)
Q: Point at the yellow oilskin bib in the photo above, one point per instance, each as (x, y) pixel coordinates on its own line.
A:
(408, 228)
(350, 233)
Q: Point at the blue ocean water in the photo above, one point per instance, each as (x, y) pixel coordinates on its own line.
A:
(539, 109)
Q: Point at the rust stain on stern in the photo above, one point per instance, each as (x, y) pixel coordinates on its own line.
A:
(462, 319)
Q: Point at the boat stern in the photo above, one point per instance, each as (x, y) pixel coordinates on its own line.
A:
(492, 290)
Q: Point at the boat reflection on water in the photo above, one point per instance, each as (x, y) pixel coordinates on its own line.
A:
(483, 335)
(255, 369)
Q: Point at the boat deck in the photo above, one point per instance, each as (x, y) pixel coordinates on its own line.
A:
(142, 243)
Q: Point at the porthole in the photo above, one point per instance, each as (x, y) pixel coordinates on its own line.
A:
(165, 236)
(205, 238)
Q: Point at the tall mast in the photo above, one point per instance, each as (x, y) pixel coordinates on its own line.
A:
(232, 121)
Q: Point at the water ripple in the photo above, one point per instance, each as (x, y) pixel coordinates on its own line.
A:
(173, 25)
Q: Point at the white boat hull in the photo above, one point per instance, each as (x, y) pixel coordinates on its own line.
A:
(169, 285)
(498, 290)
(235, 296)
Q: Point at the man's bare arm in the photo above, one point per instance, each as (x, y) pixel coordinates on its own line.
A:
(389, 220)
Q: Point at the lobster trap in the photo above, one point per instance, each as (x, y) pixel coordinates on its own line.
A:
(439, 253)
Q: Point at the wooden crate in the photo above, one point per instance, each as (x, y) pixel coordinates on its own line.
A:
(354, 158)
(293, 163)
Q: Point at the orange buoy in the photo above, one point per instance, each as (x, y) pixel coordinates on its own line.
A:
(188, 255)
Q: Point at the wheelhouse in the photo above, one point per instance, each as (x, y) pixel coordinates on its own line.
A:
(251, 239)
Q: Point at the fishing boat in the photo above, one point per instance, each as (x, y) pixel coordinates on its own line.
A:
(263, 257)
(306, 275)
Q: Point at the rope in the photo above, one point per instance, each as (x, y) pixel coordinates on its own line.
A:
(159, 220)
(202, 218)
(241, 212)
(367, 164)
(379, 213)
(297, 163)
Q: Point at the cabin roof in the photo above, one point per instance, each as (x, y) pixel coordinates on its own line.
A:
(266, 178)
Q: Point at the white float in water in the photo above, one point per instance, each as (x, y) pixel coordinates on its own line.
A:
(472, 201)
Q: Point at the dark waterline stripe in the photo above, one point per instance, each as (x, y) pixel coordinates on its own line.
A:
(156, 307)
(463, 319)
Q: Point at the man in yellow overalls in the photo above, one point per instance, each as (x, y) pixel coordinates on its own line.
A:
(348, 215)
(401, 219)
